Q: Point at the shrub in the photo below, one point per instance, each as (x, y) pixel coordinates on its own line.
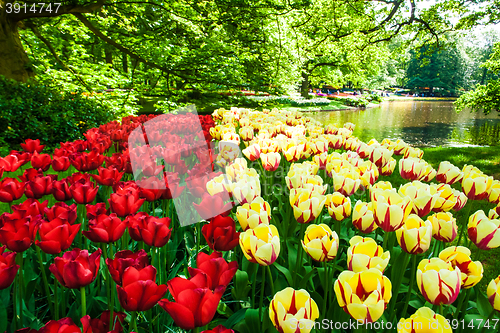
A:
(34, 111)
(357, 102)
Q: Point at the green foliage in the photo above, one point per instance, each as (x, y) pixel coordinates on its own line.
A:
(359, 102)
(31, 111)
(374, 98)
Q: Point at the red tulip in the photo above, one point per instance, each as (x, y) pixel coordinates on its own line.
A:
(193, 306)
(94, 210)
(10, 163)
(18, 233)
(30, 174)
(11, 189)
(124, 204)
(8, 268)
(75, 268)
(63, 211)
(211, 206)
(32, 146)
(30, 207)
(140, 291)
(213, 271)
(61, 191)
(152, 230)
(116, 160)
(86, 161)
(101, 325)
(78, 176)
(219, 329)
(123, 260)
(173, 190)
(56, 236)
(64, 325)
(83, 192)
(60, 163)
(41, 161)
(221, 234)
(151, 188)
(39, 186)
(107, 177)
(105, 229)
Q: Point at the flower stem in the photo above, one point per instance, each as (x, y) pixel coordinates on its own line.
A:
(21, 287)
(461, 298)
(490, 317)
(56, 303)
(300, 253)
(254, 282)
(397, 286)
(45, 282)
(271, 283)
(386, 237)
(466, 218)
(84, 301)
(410, 286)
(133, 322)
(326, 288)
(261, 301)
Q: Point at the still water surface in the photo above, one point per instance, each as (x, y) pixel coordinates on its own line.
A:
(420, 123)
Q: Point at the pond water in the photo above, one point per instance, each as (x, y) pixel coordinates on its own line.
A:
(420, 123)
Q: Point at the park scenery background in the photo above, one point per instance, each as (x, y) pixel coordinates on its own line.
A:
(249, 166)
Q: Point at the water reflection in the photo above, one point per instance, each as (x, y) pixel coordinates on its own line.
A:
(420, 123)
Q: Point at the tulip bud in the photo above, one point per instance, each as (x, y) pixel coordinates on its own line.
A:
(426, 320)
(438, 281)
(293, 311)
(415, 235)
(320, 242)
(412, 152)
(388, 168)
(252, 152)
(252, 214)
(445, 197)
(8, 268)
(364, 295)
(339, 207)
(365, 253)
(411, 168)
(461, 200)
(246, 189)
(246, 133)
(448, 173)
(459, 256)
(493, 292)
(484, 232)
(347, 181)
(270, 161)
(261, 244)
(494, 193)
(400, 147)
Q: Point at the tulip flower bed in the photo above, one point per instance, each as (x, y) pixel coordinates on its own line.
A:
(157, 224)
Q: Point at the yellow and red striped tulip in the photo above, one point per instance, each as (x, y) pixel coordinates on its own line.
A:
(219, 184)
(270, 161)
(246, 133)
(428, 173)
(390, 209)
(252, 152)
(388, 169)
(415, 235)
(349, 126)
(362, 217)
(438, 281)
(459, 256)
(467, 169)
(493, 292)
(294, 153)
(318, 145)
(423, 196)
(461, 200)
(296, 178)
(351, 143)
(246, 189)
(252, 214)
(339, 207)
(347, 181)
(494, 193)
(448, 173)
(364, 150)
(380, 156)
(413, 152)
(344, 132)
(400, 147)
(424, 320)
(321, 160)
(331, 129)
(411, 168)
(476, 186)
(335, 141)
(293, 311)
(261, 244)
(369, 173)
(364, 295)
(306, 204)
(320, 242)
(497, 209)
(444, 226)
(365, 253)
(382, 185)
(445, 198)
(483, 231)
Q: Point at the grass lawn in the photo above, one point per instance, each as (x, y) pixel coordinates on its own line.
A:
(487, 159)
(334, 105)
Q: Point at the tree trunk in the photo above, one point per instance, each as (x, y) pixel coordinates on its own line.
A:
(304, 87)
(14, 63)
